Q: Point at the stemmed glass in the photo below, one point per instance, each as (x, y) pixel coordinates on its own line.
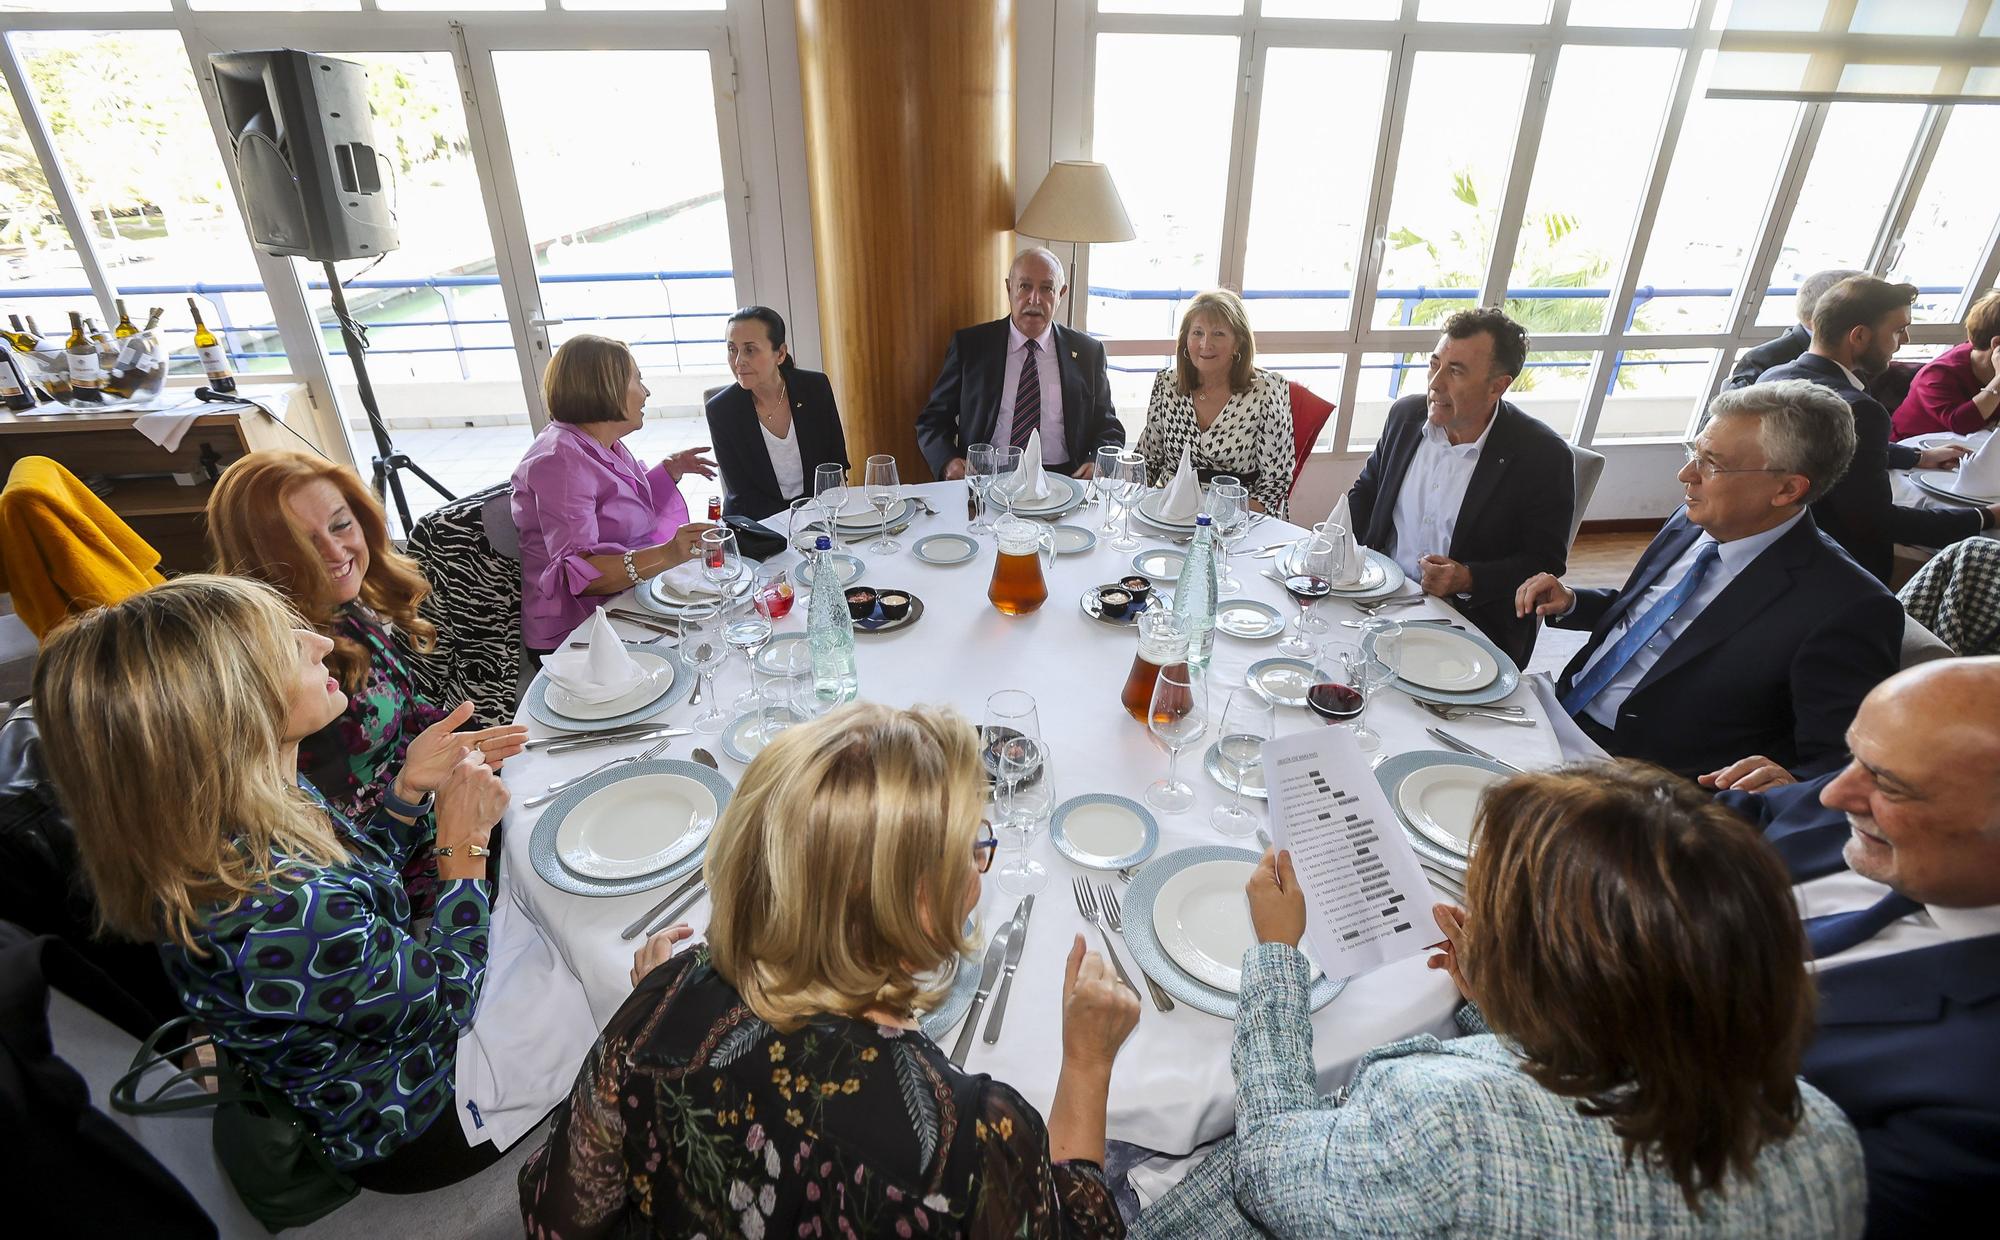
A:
(1129, 470)
(1024, 796)
(721, 562)
(1308, 579)
(1102, 481)
(1248, 720)
(1382, 643)
(979, 476)
(830, 489)
(1229, 509)
(771, 597)
(1178, 718)
(1348, 676)
(1011, 715)
(804, 524)
(704, 648)
(1006, 484)
(880, 486)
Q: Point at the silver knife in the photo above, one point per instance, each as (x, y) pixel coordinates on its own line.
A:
(564, 738)
(1263, 553)
(1465, 747)
(989, 969)
(1017, 940)
(614, 738)
(687, 884)
(677, 911)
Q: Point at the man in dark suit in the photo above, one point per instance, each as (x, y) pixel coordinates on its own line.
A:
(1897, 861)
(1469, 494)
(1859, 325)
(1796, 339)
(1742, 630)
(1006, 379)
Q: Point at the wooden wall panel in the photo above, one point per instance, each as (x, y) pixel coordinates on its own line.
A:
(909, 112)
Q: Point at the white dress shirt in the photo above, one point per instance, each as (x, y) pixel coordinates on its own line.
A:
(1844, 891)
(1432, 493)
(1055, 448)
(1732, 559)
(785, 461)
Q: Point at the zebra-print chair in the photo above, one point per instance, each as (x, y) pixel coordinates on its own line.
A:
(469, 552)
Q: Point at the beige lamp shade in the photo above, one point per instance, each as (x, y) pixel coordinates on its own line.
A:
(1076, 202)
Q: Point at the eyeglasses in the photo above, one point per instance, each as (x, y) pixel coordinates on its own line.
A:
(985, 846)
(1709, 469)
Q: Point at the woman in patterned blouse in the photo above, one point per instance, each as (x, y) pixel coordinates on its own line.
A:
(171, 723)
(1236, 418)
(312, 529)
(774, 1082)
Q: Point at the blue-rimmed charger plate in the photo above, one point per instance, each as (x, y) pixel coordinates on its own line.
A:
(538, 706)
(1394, 770)
(1393, 576)
(542, 844)
(945, 549)
(943, 1018)
(648, 595)
(1071, 814)
(1501, 688)
(1144, 941)
(1160, 564)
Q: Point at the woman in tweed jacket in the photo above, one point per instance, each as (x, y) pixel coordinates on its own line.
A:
(1636, 954)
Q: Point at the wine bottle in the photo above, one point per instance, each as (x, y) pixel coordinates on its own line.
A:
(214, 358)
(107, 347)
(19, 338)
(17, 391)
(51, 363)
(86, 371)
(140, 369)
(153, 319)
(125, 328)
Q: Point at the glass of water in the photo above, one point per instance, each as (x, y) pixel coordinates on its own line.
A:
(1247, 721)
(979, 476)
(1102, 482)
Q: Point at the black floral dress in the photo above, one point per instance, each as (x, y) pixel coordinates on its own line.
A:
(692, 1117)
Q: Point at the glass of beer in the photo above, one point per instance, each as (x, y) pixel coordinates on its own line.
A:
(1018, 586)
(1163, 642)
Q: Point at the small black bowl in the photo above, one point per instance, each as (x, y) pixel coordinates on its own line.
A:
(894, 606)
(1114, 601)
(1140, 588)
(861, 602)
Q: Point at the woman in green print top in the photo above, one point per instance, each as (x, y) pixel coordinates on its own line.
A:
(171, 723)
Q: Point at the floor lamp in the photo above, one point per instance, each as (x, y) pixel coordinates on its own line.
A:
(1076, 203)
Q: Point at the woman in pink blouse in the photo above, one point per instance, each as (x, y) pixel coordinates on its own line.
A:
(1958, 389)
(593, 520)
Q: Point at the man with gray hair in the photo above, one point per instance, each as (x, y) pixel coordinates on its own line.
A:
(1003, 381)
(1797, 338)
(1742, 629)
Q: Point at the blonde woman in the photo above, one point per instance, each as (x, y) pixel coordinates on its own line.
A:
(1236, 418)
(171, 724)
(773, 1081)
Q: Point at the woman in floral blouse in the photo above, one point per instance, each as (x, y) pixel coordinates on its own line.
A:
(1235, 418)
(773, 1081)
(312, 529)
(282, 924)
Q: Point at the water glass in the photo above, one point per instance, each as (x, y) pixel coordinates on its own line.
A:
(979, 476)
(1006, 484)
(721, 562)
(1101, 482)
(1229, 511)
(804, 523)
(881, 488)
(1023, 799)
(830, 489)
(748, 634)
(704, 648)
(1178, 718)
(1247, 721)
(1011, 717)
(1129, 469)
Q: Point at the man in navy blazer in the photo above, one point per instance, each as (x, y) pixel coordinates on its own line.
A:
(1796, 339)
(979, 396)
(1857, 327)
(1742, 630)
(1909, 1013)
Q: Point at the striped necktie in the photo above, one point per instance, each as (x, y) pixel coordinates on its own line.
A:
(1027, 399)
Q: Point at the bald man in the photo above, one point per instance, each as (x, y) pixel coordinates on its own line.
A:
(1896, 857)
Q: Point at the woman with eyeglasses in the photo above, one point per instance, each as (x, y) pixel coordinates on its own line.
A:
(773, 1080)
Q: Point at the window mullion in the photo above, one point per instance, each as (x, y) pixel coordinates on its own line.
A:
(1389, 141)
(1756, 279)
(82, 238)
(1882, 254)
(1242, 158)
(1514, 202)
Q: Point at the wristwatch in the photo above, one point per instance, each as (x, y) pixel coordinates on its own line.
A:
(407, 809)
(471, 850)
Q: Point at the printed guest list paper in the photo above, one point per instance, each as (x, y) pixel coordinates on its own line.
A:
(1366, 899)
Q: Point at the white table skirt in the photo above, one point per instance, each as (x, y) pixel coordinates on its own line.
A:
(558, 969)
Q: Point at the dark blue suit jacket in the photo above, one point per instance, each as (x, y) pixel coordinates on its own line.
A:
(1776, 665)
(749, 484)
(1908, 1045)
(965, 405)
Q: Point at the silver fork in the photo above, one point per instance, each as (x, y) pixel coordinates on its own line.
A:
(1117, 924)
(557, 788)
(1086, 903)
(1455, 713)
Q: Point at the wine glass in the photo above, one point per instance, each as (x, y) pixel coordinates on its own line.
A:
(1309, 579)
(1347, 676)
(1130, 471)
(979, 476)
(1011, 716)
(804, 523)
(830, 490)
(1178, 718)
(1024, 796)
(1006, 484)
(1102, 481)
(748, 634)
(704, 648)
(721, 562)
(880, 487)
(1229, 510)
(1248, 720)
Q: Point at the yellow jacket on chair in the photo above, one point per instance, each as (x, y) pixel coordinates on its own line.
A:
(62, 550)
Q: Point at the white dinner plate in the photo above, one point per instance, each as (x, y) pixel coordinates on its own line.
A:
(945, 548)
(1160, 564)
(658, 679)
(636, 826)
(1438, 658)
(1062, 491)
(1944, 483)
(1442, 802)
(1203, 920)
(861, 515)
(1248, 619)
(1149, 508)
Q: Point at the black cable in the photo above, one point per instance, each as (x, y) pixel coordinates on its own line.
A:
(214, 397)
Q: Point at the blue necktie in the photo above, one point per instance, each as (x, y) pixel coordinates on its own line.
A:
(1837, 932)
(1027, 399)
(1585, 691)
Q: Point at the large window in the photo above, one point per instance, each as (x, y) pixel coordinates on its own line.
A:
(1390, 163)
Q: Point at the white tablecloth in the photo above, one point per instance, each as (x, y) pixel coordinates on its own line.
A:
(558, 969)
(1906, 492)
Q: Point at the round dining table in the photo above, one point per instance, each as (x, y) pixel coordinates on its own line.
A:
(557, 967)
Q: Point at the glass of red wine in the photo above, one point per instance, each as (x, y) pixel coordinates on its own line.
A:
(1309, 584)
(1345, 678)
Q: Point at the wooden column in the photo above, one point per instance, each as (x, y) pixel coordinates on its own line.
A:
(909, 111)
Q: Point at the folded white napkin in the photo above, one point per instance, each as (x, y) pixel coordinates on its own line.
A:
(601, 671)
(167, 427)
(1182, 501)
(1340, 515)
(688, 581)
(1979, 474)
(1030, 483)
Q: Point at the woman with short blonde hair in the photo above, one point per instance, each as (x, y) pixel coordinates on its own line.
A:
(774, 1081)
(1215, 404)
(170, 723)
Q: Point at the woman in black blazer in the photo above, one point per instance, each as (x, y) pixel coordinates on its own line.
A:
(775, 424)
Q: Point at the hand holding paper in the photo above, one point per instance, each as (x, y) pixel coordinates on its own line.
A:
(1277, 902)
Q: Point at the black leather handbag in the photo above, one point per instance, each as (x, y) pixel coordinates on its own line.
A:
(754, 538)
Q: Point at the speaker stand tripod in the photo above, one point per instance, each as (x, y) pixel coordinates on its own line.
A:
(388, 462)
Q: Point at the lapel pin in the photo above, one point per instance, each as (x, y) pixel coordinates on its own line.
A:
(1072, 355)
